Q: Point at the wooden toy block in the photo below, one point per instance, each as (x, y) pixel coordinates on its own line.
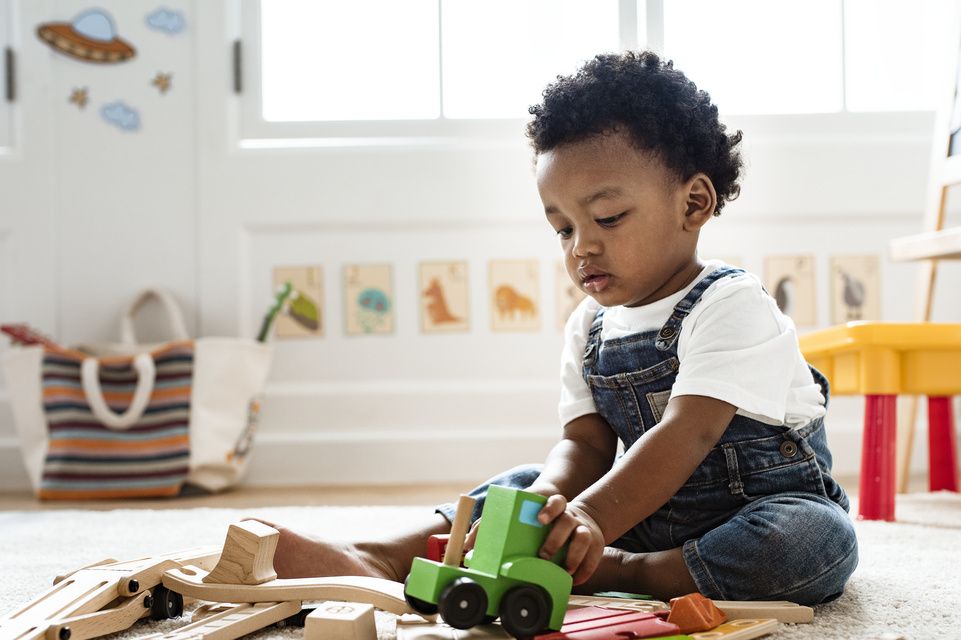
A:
(383, 594)
(694, 612)
(341, 621)
(781, 610)
(596, 623)
(233, 623)
(248, 555)
(436, 544)
(648, 606)
(738, 630)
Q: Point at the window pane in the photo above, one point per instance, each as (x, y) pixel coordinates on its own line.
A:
(759, 56)
(899, 53)
(6, 111)
(500, 54)
(357, 60)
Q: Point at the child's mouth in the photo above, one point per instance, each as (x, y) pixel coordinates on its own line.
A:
(596, 283)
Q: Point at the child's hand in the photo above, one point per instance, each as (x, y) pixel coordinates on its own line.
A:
(572, 525)
(471, 538)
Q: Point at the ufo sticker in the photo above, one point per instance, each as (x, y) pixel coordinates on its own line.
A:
(91, 37)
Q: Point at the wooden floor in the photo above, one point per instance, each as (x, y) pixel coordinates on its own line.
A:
(249, 497)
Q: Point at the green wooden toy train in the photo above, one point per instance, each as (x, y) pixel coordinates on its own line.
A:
(503, 576)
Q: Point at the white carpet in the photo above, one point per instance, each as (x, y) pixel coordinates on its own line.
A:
(908, 582)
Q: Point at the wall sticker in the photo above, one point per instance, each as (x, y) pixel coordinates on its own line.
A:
(80, 97)
(166, 20)
(121, 115)
(90, 37)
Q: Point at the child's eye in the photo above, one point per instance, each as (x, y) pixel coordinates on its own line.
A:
(611, 221)
(565, 232)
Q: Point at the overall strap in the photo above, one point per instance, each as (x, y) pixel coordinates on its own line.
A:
(668, 334)
(593, 339)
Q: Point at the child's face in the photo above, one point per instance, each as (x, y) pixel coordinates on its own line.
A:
(627, 224)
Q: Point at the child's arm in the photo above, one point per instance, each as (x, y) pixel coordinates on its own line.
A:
(583, 456)
(652, 470)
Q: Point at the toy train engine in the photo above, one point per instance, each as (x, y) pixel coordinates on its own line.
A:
(503, 576)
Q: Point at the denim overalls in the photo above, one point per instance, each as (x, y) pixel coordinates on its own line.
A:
(760, 518)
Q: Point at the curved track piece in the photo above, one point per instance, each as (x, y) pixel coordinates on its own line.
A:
(383, 594)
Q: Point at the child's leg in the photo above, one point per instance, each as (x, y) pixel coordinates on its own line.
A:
(300, 556)
(662, 574)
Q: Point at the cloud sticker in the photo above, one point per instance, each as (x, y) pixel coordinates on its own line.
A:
(164, 19)
(121, 115)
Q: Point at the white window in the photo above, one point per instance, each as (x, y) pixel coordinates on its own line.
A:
(6, 51)
(392, 69)
(382, 68)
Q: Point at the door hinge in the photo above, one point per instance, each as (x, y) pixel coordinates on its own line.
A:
(238, 68)
(10, 81)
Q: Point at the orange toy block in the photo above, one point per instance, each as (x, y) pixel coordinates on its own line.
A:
(694, 612)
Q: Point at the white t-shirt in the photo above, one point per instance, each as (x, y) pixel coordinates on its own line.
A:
(735, 345)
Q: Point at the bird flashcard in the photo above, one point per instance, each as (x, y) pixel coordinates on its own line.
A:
(369, 299)
(790, 281)
(302, 315)
(567, 293)
(855, 288)
(514, 295)
(444, 297)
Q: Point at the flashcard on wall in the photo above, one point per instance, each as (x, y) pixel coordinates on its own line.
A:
(514, 291)
(369, 299)
(567, 294)
(790, 280)
(855, 288)
(302, 315)
(90, 37)
(444, 299)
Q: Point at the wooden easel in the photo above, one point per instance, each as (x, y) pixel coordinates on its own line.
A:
(936, 242)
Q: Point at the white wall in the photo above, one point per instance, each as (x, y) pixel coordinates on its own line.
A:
(90, 214)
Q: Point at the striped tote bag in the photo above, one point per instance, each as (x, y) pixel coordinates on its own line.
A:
(116, 427)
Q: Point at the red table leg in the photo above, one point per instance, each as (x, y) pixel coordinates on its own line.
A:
(878, 458)
(942, 449)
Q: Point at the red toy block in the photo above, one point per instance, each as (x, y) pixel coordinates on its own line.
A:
(595, 623)
(694, 612)
(436, 545)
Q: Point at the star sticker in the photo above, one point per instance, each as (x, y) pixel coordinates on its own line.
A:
(79, 97)
(162, 82)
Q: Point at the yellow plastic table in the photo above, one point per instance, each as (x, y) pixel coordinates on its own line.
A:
(881, 360)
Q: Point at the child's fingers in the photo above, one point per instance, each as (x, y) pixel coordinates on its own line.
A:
(588, 566)
(471, 538)
(555, 506)
(580, 545)
(561, 530)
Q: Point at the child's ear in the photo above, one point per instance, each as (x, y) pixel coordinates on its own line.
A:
(701, 201)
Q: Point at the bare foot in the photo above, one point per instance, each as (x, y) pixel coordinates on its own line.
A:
(302, 556)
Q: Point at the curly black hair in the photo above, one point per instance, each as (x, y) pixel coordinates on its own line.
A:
(663, 112)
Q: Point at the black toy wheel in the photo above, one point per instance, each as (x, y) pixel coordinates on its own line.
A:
(525, 611)
(166, 604)
(418, 605)
(463, 603)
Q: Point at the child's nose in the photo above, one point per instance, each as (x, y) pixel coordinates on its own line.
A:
(586, 244)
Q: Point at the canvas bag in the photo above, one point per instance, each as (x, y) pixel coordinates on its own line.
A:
(141, 422)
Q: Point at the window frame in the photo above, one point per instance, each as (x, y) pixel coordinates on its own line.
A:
(252, 132)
